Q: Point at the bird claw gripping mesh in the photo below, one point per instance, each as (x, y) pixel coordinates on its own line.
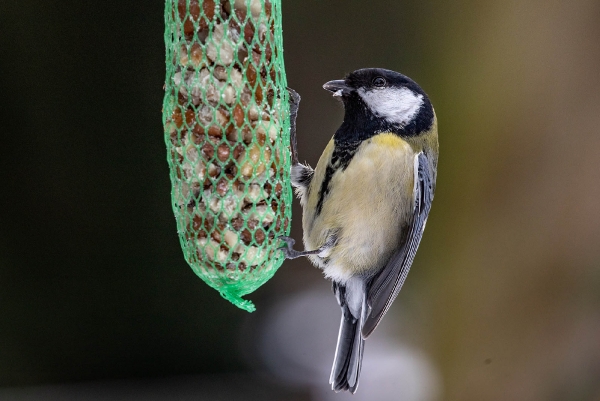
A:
(226, 122)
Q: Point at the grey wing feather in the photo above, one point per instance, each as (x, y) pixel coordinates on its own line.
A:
(386, 285)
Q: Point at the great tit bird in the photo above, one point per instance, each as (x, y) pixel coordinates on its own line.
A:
(366, 204)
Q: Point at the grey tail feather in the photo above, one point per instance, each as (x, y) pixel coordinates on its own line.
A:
(348, 354)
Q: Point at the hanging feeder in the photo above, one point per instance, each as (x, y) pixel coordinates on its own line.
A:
(226, 124)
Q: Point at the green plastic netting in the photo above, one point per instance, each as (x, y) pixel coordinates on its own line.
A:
(226, 121)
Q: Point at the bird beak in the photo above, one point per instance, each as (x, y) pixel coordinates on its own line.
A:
(337, 87)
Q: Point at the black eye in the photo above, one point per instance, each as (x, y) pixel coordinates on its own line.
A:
(379, 82)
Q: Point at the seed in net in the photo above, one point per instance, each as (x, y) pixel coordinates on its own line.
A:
(219, 49)
(191, 55)
(223, 152)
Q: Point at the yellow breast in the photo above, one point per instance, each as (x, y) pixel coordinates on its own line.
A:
(367, 205)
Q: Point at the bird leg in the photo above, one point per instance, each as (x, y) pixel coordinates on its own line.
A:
(291, 253)
(294, 105)
(288, 248)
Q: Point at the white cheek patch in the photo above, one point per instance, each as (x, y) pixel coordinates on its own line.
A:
(396, 105)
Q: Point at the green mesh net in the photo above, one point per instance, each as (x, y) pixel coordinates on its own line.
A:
(226, 121)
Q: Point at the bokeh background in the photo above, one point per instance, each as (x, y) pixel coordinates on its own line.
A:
(502, 303)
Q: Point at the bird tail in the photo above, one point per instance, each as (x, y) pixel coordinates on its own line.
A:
(348, 353)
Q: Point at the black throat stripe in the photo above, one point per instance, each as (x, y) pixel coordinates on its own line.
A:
(340, 159)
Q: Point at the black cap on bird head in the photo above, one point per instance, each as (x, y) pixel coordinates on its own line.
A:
(379, 100)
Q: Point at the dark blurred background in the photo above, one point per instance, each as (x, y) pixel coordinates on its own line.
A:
(502, 303)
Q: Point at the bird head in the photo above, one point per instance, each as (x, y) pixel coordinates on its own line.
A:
(383, 100)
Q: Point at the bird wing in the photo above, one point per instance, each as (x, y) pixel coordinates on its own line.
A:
(386, 284)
